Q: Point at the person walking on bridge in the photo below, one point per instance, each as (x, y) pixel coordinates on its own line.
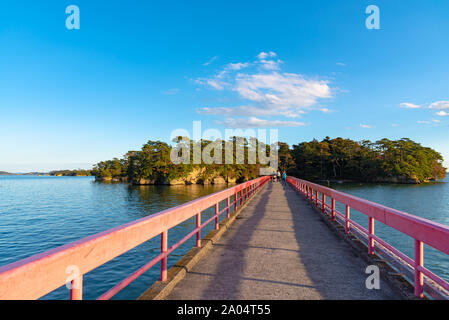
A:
(284, 178)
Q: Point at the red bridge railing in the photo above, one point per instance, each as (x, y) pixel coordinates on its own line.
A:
(421, 230)
(43, 273)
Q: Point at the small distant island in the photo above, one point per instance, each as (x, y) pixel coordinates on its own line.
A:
(383, 161)
(57, 173)
(71, 173)
(4, 173)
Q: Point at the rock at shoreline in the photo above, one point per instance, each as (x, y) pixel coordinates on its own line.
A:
(400, 180)
(218, 180)
(196, 176)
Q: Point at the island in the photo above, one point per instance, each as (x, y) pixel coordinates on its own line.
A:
(339, 159)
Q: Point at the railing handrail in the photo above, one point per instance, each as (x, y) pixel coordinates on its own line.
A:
(432, 233)
(422, 230)
(38, 275)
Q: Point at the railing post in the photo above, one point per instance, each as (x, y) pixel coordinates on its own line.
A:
(316, 198)
(198, 225)
(216, 216)
(241, 197)
(419, 262)
(347, 217)
(228, 211)
(76, 288)
(370, 235)
(333, 210)
(235, 200)
(323, 202)
(164, 236)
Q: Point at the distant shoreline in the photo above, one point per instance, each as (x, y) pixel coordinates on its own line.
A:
(40, 174)
(3, 173)
(54, 173)
(331, 182)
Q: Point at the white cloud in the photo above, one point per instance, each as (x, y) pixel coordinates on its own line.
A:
(249, 111)
(341, 64)
(237, 66)
(254, 122)
(442, 113)
(429, 121)
(408, 105)
(266, 62)
(215, 84)
(439, 105)
(365, 126)
(326, 110)
(264, 55)
(286, 91)
(271, 64)
(269, 92)
(210, 61)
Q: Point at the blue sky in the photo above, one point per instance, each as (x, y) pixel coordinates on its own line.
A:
(138, 70)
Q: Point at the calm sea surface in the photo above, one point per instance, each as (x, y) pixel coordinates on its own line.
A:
(429, 201)
(41, 213)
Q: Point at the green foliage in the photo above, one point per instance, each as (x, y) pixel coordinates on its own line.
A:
(110, 168)
(71, 173)
(384, 160)
(403, 160)
(153, 162)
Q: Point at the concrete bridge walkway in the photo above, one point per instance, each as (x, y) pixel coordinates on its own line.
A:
(279, 248)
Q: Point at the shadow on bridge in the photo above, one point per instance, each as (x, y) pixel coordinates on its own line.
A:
(231, 267)
(279, 248)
